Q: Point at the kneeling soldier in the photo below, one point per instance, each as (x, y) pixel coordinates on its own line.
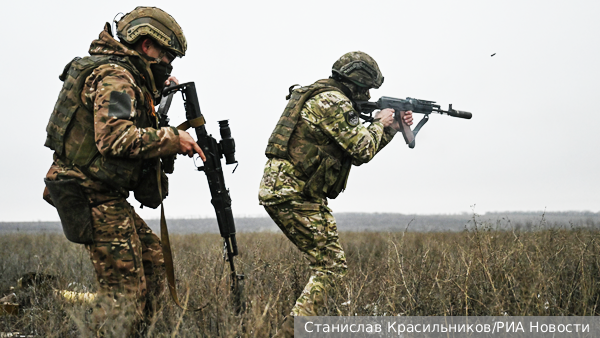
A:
(107, 142)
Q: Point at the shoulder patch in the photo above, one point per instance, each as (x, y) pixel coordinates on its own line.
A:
(119, 105)
(352, 118)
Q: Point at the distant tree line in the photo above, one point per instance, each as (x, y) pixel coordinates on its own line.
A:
(370, 222)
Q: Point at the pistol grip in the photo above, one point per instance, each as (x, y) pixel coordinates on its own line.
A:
(407, 133)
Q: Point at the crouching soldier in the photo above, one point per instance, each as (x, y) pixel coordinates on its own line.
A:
(317, 139)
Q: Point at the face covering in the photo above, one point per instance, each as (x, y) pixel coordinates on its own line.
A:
(161, 72)
(362, 94)
(358, 93)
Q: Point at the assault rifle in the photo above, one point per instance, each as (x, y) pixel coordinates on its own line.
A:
(402, 105)
(213, 151)
(168, 163)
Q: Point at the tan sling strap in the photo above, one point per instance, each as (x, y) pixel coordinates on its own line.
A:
(193, 123)
(166, 248)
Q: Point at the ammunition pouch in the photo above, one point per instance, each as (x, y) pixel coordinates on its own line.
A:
(115, 171)
(146, 191)
(330, 176)
(73, 209)
(168, 164)
(342, 179)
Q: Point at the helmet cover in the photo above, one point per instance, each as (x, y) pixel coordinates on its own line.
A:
(359, 68)
(155, 23)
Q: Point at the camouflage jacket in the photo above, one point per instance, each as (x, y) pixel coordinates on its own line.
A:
(124, 120)
(329, 121)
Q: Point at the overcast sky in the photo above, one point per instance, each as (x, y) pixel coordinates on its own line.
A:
(532, 144)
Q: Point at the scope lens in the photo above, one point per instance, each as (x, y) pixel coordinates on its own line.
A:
(224, 129)
(227, 143)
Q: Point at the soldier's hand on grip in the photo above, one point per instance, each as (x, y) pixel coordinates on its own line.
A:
(171, 78)
(385, 116)
(188, 146)
(408, 119)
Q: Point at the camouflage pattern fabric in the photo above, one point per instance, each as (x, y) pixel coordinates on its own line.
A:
(359, 68)
(123, 128)
(107, 45)
(153, 264)
(116, 133)
(96, 191)
(312, 228)
(126, 254)
(127, 258)
(328, 123)
(327, 119)
(333, 119)
(153, 22)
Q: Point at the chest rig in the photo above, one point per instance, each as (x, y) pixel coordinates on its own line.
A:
(70, 131)
(324, 167)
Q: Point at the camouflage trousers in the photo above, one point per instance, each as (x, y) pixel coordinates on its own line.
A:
(312, 228)
(130, 269)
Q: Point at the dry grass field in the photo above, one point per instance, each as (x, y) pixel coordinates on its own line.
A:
(482, 271)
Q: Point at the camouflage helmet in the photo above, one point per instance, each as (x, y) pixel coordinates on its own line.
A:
(155, 23)
(359, 68)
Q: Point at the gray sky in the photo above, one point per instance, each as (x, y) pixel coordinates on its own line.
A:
(532, 143)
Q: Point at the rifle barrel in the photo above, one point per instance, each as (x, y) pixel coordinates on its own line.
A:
(460, 113)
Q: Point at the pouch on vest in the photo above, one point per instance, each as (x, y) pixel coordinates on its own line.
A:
(324, 177)
(73, 209)
(147, 190)
(342, 179)
(116, 172)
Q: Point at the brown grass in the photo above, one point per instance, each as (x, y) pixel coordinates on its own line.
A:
(479, 272)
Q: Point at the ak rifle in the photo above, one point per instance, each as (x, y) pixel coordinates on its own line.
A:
(366, 108)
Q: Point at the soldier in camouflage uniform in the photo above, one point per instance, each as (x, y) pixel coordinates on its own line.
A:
(106, 141)
(317, 139)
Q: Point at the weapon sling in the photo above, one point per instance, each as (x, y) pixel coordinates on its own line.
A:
(164, 230)
(166, 248)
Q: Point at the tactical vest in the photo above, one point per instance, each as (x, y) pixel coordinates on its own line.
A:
(70, 131)
(325, 167)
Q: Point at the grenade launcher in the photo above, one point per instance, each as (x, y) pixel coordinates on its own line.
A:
(402, 105)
